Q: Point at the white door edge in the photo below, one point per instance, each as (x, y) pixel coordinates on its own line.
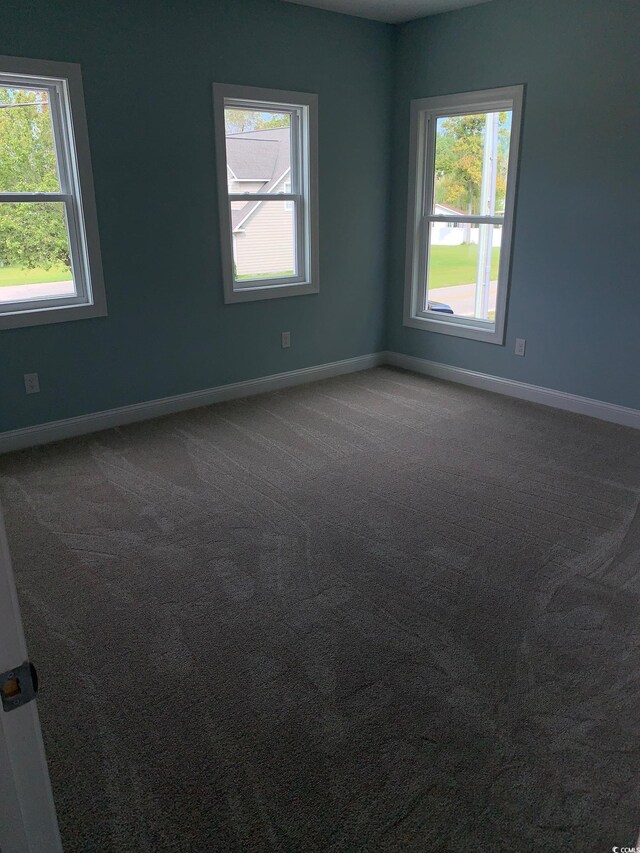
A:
(28, 822)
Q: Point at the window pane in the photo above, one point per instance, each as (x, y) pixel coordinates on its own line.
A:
(472, 158)
(27, 151)
(34, 252)
(264, 241)
(463, 269)
(258, 150)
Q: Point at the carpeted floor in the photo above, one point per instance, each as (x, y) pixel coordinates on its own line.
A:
(375, 613)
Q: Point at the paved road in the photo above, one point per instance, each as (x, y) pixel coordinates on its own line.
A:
(461, 297)
(18, 292)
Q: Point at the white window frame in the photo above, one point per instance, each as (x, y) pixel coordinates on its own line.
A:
(303, 108)
(63, 81)
(424, 115)
(27, 808)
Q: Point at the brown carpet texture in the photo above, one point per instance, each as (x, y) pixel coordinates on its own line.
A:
(374, 613)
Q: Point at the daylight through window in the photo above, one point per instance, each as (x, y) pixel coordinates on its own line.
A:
(44, 250)
(465, 151)
(266, 162)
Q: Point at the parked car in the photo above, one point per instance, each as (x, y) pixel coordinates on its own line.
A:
(439, 307)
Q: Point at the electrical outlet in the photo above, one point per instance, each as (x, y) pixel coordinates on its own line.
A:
(31, 383)
(286, 340)
(521, 345)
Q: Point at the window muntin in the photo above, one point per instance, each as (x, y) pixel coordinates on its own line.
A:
(44, 244)
(462, 187)
(266, 155)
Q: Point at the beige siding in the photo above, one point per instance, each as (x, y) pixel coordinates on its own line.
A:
(267, 244)
(245, 186)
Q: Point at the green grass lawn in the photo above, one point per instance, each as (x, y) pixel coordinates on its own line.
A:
(15, 275)
(260, 276)
(451, 265)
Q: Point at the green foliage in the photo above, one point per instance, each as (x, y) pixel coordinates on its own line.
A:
(459, 154)
(31, 234)
(257, 276)
(242, 121)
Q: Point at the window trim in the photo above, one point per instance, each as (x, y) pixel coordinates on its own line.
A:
(304, 197)
(71, 139)
(424, 112)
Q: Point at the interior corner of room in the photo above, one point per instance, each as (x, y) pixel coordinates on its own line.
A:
(168, 332)
(293, 278)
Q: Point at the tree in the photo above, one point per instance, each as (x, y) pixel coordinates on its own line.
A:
(243, 121)
(459, 153)
(32, 234)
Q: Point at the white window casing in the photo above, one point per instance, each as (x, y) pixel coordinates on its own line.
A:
(63, 83)
(421, 214)
(301, 200)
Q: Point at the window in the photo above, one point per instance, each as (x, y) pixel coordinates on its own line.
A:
(266, 155)
(50, 268)
(462, 181)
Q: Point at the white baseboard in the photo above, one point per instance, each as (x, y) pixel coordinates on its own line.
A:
(83, 424)
(522, 390)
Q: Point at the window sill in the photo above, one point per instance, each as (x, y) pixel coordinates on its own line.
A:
(459, 329)
(53, 314)
(265, 291)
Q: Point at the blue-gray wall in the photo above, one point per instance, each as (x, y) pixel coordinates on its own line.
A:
(148, 67)
(575, 287)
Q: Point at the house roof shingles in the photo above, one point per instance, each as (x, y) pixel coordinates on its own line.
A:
(251, 159)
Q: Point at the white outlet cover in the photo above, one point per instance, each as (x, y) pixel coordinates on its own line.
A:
(31, 383)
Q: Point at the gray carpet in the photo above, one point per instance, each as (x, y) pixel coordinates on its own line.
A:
(376, 613)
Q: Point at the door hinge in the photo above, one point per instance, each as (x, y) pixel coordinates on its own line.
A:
(18, 686)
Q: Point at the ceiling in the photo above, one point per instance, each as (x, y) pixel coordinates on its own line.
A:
(391, 11)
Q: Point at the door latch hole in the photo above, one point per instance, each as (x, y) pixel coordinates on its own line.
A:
(18, 686)
(11, 688)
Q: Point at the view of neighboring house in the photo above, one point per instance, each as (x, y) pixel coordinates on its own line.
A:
(263, 231)
(457, 233)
